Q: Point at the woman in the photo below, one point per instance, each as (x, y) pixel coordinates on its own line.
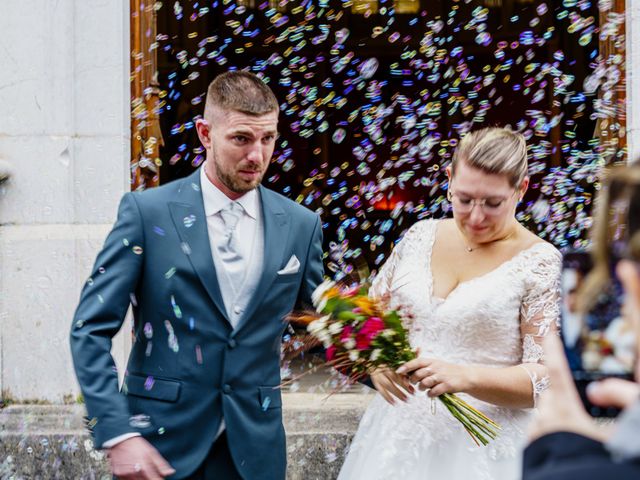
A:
(567, 443)
(482, 292)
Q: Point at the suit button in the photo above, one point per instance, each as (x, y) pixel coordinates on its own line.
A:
(227, 388)
(232, 343)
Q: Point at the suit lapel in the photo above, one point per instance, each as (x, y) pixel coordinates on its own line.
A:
(276, 232)
(190, 221)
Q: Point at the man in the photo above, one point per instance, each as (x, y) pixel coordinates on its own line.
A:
(211, 265)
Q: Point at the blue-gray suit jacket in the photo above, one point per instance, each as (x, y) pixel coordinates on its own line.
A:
(188, 367)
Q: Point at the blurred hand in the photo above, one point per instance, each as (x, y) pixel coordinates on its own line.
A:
(135, 458)
(559, 407)
(437, 376)
(613, 392)
(628, 273)
(389, 384)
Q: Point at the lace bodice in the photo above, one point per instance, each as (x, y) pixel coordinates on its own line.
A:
(498, 319)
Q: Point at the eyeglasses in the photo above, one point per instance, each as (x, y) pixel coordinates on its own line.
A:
(489, 206)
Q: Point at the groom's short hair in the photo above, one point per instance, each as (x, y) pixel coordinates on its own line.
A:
(242, 92)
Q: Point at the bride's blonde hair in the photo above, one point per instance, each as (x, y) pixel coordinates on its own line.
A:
(616, 229)
(494, 150)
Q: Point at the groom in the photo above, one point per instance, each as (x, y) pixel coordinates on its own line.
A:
(211, 264)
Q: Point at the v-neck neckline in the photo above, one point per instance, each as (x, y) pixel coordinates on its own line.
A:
(499, 267)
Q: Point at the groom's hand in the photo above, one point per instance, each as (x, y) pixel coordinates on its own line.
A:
(135, 458)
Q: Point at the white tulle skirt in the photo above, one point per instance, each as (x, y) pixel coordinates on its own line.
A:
(409, 442)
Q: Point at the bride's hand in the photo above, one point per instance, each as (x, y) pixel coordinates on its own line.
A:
(437, 376)
(389, 384)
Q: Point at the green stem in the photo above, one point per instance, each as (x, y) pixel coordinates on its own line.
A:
(475, 425)
(468, 427)
(489, 426)
(457, 400)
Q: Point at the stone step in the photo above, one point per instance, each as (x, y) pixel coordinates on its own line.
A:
(39, 442)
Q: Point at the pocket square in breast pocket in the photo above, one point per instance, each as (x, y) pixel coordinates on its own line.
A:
(292, 266)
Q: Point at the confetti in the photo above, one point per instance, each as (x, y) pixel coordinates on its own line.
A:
(140, 421)
(176, 308)
(189, 221)
(381, 129)
(172, 340)
(148, 383)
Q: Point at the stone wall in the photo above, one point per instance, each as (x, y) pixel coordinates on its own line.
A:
(64, 132)
(43, 442)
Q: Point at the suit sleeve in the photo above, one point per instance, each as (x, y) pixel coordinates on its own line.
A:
(314, 270)
(559, 451)
(103, 305)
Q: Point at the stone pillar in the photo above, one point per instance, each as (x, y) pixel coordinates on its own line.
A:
(65, 133)
(633, 79)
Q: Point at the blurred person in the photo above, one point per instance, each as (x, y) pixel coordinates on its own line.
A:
(566, 442)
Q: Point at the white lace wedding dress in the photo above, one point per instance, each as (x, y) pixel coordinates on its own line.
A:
(497, 319)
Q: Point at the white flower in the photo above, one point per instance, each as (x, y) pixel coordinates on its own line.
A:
(321, 304)
(388, 333)
(349, 343)
(375, 355)
(353, 355)
(318, 293)
(317, 326)
(335, 328)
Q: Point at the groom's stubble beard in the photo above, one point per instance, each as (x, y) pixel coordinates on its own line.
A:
(230, 178)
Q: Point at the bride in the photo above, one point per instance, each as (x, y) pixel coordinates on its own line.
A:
(482, 292)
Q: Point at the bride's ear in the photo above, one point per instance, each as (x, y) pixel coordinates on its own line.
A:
(448, 172)
(523, 188)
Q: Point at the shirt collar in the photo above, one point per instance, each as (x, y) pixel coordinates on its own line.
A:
(214, 200)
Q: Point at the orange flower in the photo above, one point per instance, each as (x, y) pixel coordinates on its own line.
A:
(333, 292)
(368, 306)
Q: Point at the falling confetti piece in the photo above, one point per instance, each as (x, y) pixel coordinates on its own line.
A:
(189, 221)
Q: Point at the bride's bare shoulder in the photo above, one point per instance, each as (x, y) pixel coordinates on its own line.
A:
(445, 224)
(531, 240)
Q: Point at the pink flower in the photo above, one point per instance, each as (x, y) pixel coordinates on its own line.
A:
(330, 353)
(368, 332)
(372, 327)
(347, 331)
(362, 342)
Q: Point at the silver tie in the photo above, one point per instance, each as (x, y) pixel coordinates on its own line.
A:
(228, 248)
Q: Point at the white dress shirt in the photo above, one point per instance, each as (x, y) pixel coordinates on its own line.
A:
(249, 242)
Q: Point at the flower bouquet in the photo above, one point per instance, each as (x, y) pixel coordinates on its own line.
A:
(360, 336)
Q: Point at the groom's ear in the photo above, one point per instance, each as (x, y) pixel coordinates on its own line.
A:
(204, 129)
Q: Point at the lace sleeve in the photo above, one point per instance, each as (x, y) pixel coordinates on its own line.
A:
(381, 286)
(539, 316)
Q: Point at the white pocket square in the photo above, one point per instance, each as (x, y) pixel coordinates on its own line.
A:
(292, 266)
